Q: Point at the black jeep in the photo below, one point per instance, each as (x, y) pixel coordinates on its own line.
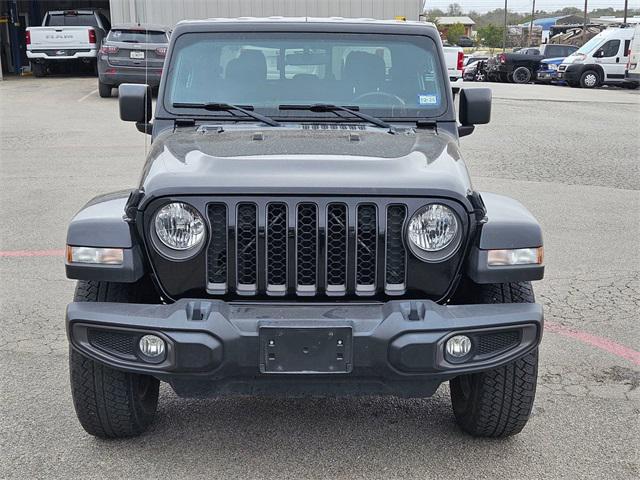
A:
(304, 225)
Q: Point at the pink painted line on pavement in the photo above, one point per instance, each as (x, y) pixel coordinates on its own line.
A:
(584, 337)
(32, 253)
(595, 341)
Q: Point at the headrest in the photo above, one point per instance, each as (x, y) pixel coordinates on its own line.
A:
(250, 64)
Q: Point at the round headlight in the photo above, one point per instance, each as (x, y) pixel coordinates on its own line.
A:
(179, 226)
(434, 232)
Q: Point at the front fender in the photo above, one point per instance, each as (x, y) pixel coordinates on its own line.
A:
(100, 223)
(507, 225)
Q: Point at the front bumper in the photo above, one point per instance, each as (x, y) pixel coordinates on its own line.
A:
(546, 75)
(571, 73)
(218, 347)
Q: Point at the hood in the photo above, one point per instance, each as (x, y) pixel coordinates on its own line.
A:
(305, 159)
(555, 61)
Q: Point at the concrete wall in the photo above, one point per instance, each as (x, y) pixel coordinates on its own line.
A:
(169, 12)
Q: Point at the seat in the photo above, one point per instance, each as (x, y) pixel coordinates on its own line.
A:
(249, 66)
(364, 72)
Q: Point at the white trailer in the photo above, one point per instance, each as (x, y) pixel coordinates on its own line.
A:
(170, 12)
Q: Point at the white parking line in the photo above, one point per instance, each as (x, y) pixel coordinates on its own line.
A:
(88, 95)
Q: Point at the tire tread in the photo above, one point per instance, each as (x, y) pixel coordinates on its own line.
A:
(104, 398)
(501, 399)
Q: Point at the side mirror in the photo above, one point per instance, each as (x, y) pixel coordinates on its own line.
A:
(475, 109)
(135, 105)
(598, 54)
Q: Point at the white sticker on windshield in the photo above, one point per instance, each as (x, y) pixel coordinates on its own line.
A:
(427, 99)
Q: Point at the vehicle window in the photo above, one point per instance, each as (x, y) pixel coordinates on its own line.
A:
(137, 36)
(589, 46)
(611, 48)
(556, 51)
(386, 75)
(72, 19)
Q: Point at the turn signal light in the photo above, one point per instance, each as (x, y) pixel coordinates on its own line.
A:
(518, 256)
(93, 255)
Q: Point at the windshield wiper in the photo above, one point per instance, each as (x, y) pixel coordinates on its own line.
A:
(327, 107)
(226, 107)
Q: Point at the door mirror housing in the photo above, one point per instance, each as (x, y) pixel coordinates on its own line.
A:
(135, 105)
(599, 54)
(474, 109)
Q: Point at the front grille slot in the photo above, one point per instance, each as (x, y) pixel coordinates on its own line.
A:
(217, 251)
(276, 248)
(247, 249)
(306, 249)
(366, 249)
(337, 240)
(285, 247)
(395, 254)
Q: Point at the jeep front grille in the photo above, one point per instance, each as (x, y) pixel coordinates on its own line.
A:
(306, 248)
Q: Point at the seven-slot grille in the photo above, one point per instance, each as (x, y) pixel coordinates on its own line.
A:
(306, 248)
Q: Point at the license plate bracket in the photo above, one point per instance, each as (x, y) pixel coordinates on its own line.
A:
(306, 350)
(138, 55)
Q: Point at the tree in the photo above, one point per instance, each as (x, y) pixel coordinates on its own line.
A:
(491, 36)
(454, 10)
(454, 32)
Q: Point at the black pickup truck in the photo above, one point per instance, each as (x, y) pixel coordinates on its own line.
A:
(304, 225)
(520, 66)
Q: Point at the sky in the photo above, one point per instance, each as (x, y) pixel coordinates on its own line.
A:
(525, 5)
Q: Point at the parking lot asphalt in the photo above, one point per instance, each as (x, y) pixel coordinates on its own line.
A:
(571, 156)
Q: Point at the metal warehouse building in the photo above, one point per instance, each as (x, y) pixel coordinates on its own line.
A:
(170, 12)
(16, 15)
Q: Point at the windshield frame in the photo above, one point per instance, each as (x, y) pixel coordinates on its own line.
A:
(419, 33)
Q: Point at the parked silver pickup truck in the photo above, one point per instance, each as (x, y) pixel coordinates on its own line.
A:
(70, 35)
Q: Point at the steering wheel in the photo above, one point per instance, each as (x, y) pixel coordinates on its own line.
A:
(396, 100)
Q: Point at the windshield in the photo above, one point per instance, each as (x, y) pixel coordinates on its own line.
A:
(72, 20)
(385, 75)
(137, 36)
(589, 46)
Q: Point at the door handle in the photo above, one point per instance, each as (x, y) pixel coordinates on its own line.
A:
(617, 59)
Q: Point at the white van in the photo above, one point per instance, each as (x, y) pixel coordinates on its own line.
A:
(602, 60)
(633, 67)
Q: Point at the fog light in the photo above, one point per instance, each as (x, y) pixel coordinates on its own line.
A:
(458, 346)
(151, 346)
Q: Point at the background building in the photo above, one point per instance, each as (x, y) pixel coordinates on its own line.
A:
(170, 12)
(17, 15)
(547, 23)
(445, 22)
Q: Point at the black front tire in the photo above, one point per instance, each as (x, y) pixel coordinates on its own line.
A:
(104, 90)
(110, 403)
(589, 79)
(497, 402)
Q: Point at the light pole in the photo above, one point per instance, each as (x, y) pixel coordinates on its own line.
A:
(504, 37)
(533, 14)
(584, 27)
